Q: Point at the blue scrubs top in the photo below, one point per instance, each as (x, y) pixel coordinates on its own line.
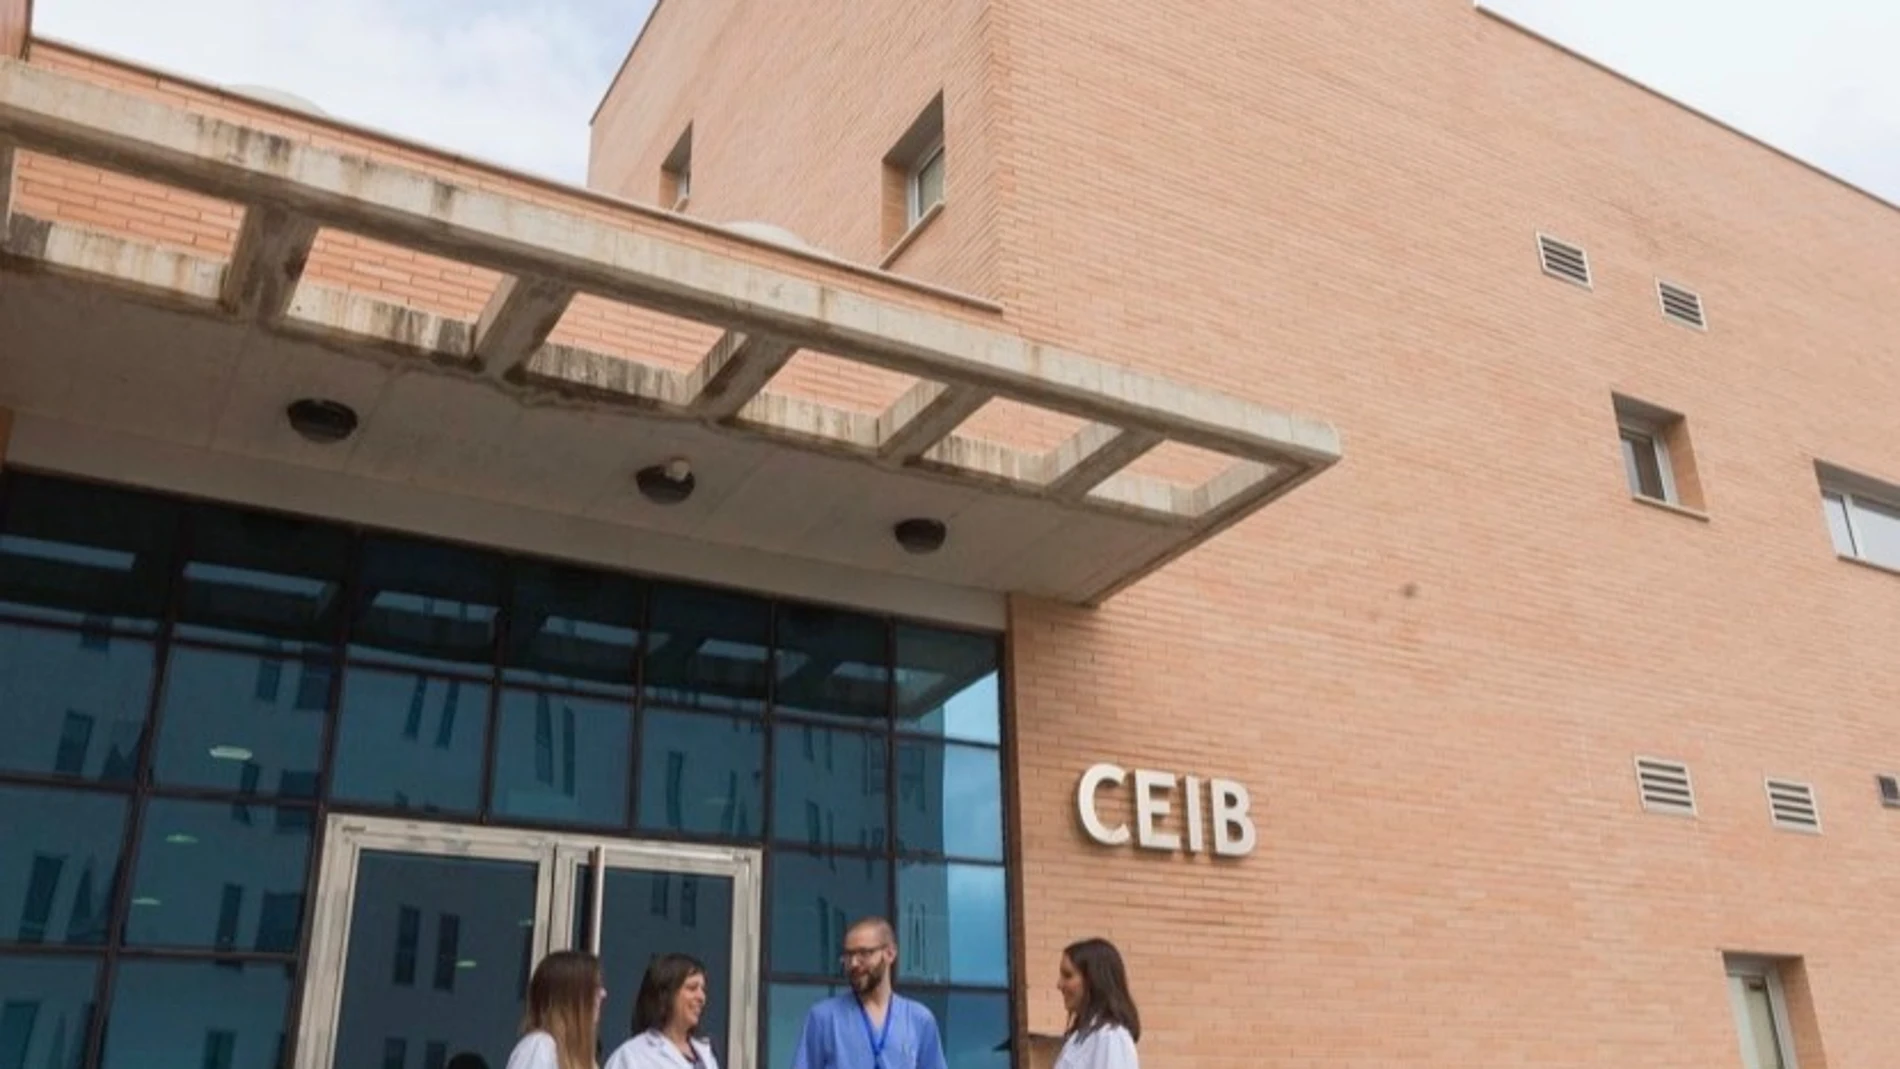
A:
(838, 1035)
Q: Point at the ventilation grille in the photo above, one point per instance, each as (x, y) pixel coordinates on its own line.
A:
(1665, 786)
(1564, 260)
(1791, 805)
(1889, 791)
(1681, 305)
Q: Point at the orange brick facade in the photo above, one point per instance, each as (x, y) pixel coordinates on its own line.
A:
(1434, 668)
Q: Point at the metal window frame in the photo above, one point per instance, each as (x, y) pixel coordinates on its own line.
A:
(914, 183)
(558, 859)
(1740, 972)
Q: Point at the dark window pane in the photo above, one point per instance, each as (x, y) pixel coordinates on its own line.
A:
(949, 800)
(951, 923)
(694, 916)
(813, 900)
(163, 1010)
(1642, 465)
(222, 727)
(72, 708)
(828, 787)
(410, 741)
(45, 1008)
(204, 870)
(973, 1024)
(786, 1006)
(702, 774)
(59, 864)
(563, 760)
(832, 664)
(571, 627)
(428, 606)
(488, 951)
(80, 553)
(255, 577)
(947, 684)
(708, 649)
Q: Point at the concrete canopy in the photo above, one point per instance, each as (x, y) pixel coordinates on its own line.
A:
(146, 343)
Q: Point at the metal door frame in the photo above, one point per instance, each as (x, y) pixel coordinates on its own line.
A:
(558, 857)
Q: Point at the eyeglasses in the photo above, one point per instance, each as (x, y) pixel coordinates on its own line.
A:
(862, 953)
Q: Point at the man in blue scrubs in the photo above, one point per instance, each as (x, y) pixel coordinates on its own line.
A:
(871, 1026)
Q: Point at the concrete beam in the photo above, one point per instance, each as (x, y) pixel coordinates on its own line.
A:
(926, 414)
(8, 160)
(643, 261)
(733, 372)
(123, 264)
(272, 247)
(516, 322)
(1091, 457)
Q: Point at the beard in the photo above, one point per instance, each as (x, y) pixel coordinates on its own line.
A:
(867, 981)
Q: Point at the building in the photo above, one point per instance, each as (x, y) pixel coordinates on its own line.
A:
(1528, 703)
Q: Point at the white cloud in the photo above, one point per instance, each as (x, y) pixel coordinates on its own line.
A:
(510, 81)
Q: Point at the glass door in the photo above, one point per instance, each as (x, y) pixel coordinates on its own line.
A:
(424, 936)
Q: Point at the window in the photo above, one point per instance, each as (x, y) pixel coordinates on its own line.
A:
(926, 185)
(1658, 464)
(1863, 517)
(914, 176)
(676, 173)
(1761, 1014)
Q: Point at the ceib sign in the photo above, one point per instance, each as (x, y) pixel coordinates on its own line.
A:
(1156, 793)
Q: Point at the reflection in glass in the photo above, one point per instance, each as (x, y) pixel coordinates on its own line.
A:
(219, 875)
(45, 1008)
(813, 900)
(59, 864)
(786, 1006)
(952, 923)
(702, 774)
(197, 1013)
(832, 664)
(254, 577)
(440, 951)
(84, 554)
(648, 913)
(241, 722)
(74, 704)
(410, 741)
(949, 800)
(947, 684)
(708, 649)
(428, 605)
(573, 628)
(828, 787)
(973, 1025)
(562, 760)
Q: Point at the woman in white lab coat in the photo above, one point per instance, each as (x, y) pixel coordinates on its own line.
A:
(563, 1017)
(1103, 1022)
(666, 1017)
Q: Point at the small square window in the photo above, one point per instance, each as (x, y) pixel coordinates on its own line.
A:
(1658, 464)
(914, 177)
(1646, 464)
(676, 173)
(1863, 516)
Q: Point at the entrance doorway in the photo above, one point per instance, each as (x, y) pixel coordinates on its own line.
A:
(425, 935)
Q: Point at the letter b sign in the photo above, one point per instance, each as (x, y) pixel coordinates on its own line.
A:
(1227, 804)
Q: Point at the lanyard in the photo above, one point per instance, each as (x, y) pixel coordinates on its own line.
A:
(879, 1038)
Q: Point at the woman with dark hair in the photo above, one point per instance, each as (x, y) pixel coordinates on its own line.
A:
(666, 1016)
(563, 1018)
(1103, 1022)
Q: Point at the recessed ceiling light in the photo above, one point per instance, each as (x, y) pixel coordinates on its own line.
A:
(179, 838)
(145, 901)
(320, 420)
(465, 963)
(666, 484)
(230, 753)
(920, 535)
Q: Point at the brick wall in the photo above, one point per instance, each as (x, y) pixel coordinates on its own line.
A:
(1435, 665)
(16, 16)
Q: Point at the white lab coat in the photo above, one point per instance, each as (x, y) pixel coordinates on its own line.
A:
(535, 1051)
(1107, 1047)
(651, 1050)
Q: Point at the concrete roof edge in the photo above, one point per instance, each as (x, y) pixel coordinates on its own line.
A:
(625, 62)
(502, 171)
(1509, 22)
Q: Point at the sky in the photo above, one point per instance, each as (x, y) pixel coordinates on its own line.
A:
(515, 81)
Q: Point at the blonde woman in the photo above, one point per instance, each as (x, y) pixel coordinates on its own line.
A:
(563, 1016)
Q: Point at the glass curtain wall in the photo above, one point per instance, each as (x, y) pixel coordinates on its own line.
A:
(187, 689)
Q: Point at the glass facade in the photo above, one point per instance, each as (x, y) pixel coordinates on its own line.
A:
(186, 690)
